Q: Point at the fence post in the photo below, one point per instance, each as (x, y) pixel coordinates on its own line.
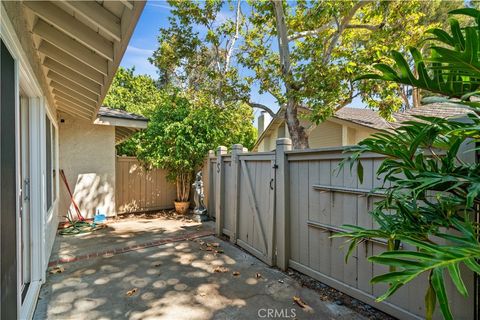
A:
(210, 190)
(236, 150)
(282, 203)
(219, 192)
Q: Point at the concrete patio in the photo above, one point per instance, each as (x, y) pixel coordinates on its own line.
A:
(197, 278)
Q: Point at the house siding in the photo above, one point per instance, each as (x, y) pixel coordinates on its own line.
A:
(326, 134)
(87, 155)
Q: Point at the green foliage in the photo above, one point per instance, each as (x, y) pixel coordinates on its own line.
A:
(331, 42)
(431, 194)
(133, 93)
(452, 67)
(183, 125)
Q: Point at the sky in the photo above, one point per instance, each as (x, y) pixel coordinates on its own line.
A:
(144, 42)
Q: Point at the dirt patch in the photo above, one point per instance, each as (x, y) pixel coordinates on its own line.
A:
(332, 295)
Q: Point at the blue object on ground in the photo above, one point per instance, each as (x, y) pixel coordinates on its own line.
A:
(99, 218)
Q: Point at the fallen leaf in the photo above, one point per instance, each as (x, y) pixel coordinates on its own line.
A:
(258, 275)
(57, 269)
(302, 304)
(236, 273)
(157, 265)
(299, 301)
(213, 244)
(132, 292)
(218, 251)
(220, 269)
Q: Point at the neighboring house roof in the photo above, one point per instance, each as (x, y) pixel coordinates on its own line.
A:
(371, 119)
(364, 117)
(125, 123)
(121, 114)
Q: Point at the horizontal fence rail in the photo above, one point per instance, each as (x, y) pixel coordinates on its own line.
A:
(284, 206)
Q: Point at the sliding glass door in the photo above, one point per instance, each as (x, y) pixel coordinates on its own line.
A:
(25, 218)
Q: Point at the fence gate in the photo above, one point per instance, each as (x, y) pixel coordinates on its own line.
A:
(256, 204)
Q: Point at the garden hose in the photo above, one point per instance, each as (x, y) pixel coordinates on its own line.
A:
(77, 227)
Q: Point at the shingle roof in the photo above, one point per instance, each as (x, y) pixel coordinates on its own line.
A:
(121, 114)
(372, 119)
(364, 117)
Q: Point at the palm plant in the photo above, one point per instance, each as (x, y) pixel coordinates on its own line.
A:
(431, 195)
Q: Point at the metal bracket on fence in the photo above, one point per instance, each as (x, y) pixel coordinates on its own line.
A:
(218, 167)
(271, 183)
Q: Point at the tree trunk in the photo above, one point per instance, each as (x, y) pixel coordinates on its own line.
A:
(183, 187)
(297, 132)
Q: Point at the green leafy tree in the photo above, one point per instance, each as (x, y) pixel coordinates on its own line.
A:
(433, 197)
(133, 93)
(183, 125)
(303, 53)
(322, 45)
(182, 131)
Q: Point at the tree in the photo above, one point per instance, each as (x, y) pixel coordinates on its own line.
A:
(433, 197)
(183, 129)
(133, 93)
(303, 53)
(323, 45)
(183, 125)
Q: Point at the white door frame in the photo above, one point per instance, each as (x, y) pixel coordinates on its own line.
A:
(25, 77)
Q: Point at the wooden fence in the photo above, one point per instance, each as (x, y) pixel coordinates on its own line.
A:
(138, 189)
(283, 206)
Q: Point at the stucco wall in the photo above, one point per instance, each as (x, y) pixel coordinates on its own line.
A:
(87, 155)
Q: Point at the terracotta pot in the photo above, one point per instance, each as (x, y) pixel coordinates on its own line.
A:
(182, 207)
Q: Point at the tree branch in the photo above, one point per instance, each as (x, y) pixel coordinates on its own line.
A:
(345, 21)
(235, 37)
(303, 34)
(262, 107)
(366, 26)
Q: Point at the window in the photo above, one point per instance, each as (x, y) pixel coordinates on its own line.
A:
(51, 163)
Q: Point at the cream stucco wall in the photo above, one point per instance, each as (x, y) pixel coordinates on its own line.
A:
(87, 155)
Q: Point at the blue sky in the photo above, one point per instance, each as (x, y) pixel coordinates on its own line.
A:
(144, 42)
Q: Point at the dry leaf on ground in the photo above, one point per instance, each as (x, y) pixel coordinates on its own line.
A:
(57, 269)
(213, 244)
(258, 275)
(299, 301)
(302, 304)
(220, 269)
(236, 273)
(132, 292)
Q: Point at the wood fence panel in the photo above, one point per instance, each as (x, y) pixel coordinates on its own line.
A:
(314, 199)
(138, 189)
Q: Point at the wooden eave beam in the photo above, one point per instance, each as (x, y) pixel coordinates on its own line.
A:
(71, 112)
(73, 95)
(72, 27)
(72, 75)
(70, 62)
(127, 4)
(73, 100)
(73, 92)
(97, 15)
(70, 46)
(74, 108)
(71, 85)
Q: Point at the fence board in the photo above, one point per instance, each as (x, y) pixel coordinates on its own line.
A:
(315, 201)
(139, 189)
